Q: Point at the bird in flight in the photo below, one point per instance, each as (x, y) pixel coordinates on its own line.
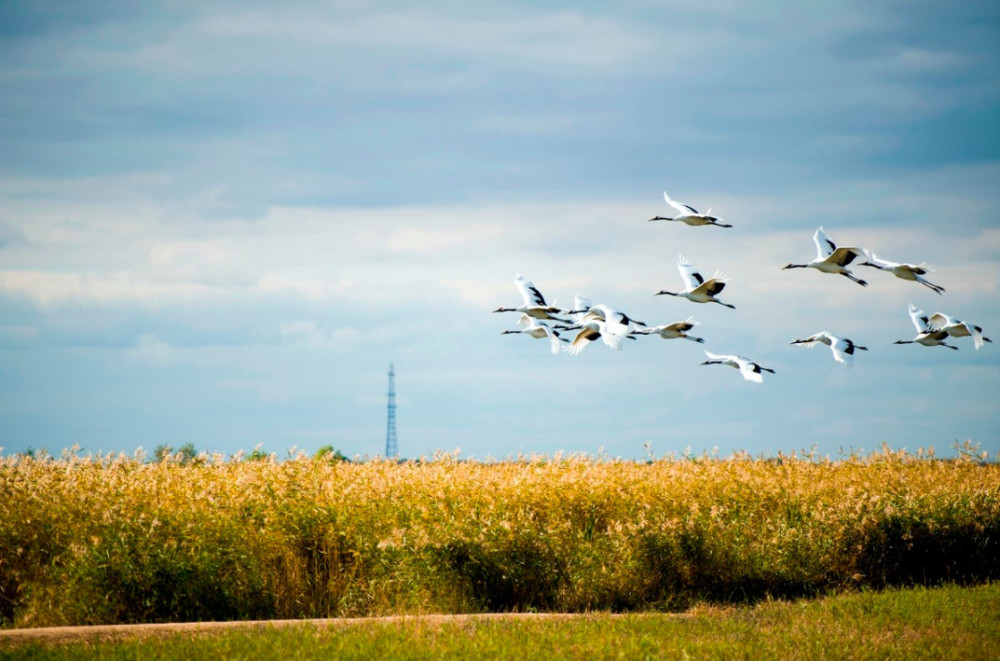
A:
(534, 303)
(944, 322)
(673, 331)
(689, 215)
(750, 370)
(843, 349)
(697, 288)
(914, 272)
(830, 258)
(536, 329)
(926, 335)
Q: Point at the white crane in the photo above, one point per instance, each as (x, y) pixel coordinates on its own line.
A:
(913, 272)
(594, 329)
(750, 370)
(534, 303)
(689, 215)
(698, 289)
(926, 335)
(843, 349)
(536, 329)
(673, 331)
(830, 258)
(601, 321)
(617, 322)
(944, 322)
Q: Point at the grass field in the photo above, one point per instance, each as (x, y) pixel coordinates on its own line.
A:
(915, 623)
(92, 540)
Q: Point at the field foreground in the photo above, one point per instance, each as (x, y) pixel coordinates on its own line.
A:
(105, 540)
(950, 622)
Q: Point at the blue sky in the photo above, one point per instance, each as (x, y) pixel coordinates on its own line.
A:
(219, 222)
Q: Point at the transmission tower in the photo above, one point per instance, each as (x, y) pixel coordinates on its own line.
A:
(391, 446)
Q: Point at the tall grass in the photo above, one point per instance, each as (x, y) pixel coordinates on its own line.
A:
(112, 539)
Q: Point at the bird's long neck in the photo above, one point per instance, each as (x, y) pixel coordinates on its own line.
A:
(668, 293)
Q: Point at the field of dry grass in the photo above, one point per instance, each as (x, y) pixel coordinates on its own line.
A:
(115, 539)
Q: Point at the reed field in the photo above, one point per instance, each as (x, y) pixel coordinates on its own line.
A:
(118, 539)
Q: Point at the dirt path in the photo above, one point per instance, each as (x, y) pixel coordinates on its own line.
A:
(58, 635)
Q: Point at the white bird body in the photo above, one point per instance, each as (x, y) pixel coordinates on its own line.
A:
(843, 349)
(689, 215)
(616, 323)
(673, 331)
(914, 272)
(926, 335)
(697, 288)
(750, 370)
(536, 329)
(830, 258)
(944, 322)
(534, 303)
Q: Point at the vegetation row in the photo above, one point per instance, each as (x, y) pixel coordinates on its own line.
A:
(114, 539)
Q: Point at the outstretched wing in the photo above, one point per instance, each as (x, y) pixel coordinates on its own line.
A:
(824, 244)
(749, 369)
(692, 279)
(938, 321)
(682, 209)
(681, 326)
(715, 356)
(844, 255)
(586, 335)
(713, 286)
(843, 350)
(529, 292)
(920, 319)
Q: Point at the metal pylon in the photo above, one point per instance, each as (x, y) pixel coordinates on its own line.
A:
(391, 445)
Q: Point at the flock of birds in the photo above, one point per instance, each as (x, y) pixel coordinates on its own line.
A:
(588, 323)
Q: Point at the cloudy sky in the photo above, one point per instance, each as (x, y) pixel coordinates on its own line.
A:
(220, 222)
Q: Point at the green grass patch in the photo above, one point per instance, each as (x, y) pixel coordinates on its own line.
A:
(949, 622)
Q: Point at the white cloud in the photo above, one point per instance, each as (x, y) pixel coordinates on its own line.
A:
(48, 289)
(314, 337)
(543, 39)
(921, 60)
(439, 241)
(153, 351)
(315, 289)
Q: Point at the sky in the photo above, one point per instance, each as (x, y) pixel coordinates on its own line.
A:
(221, 222)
